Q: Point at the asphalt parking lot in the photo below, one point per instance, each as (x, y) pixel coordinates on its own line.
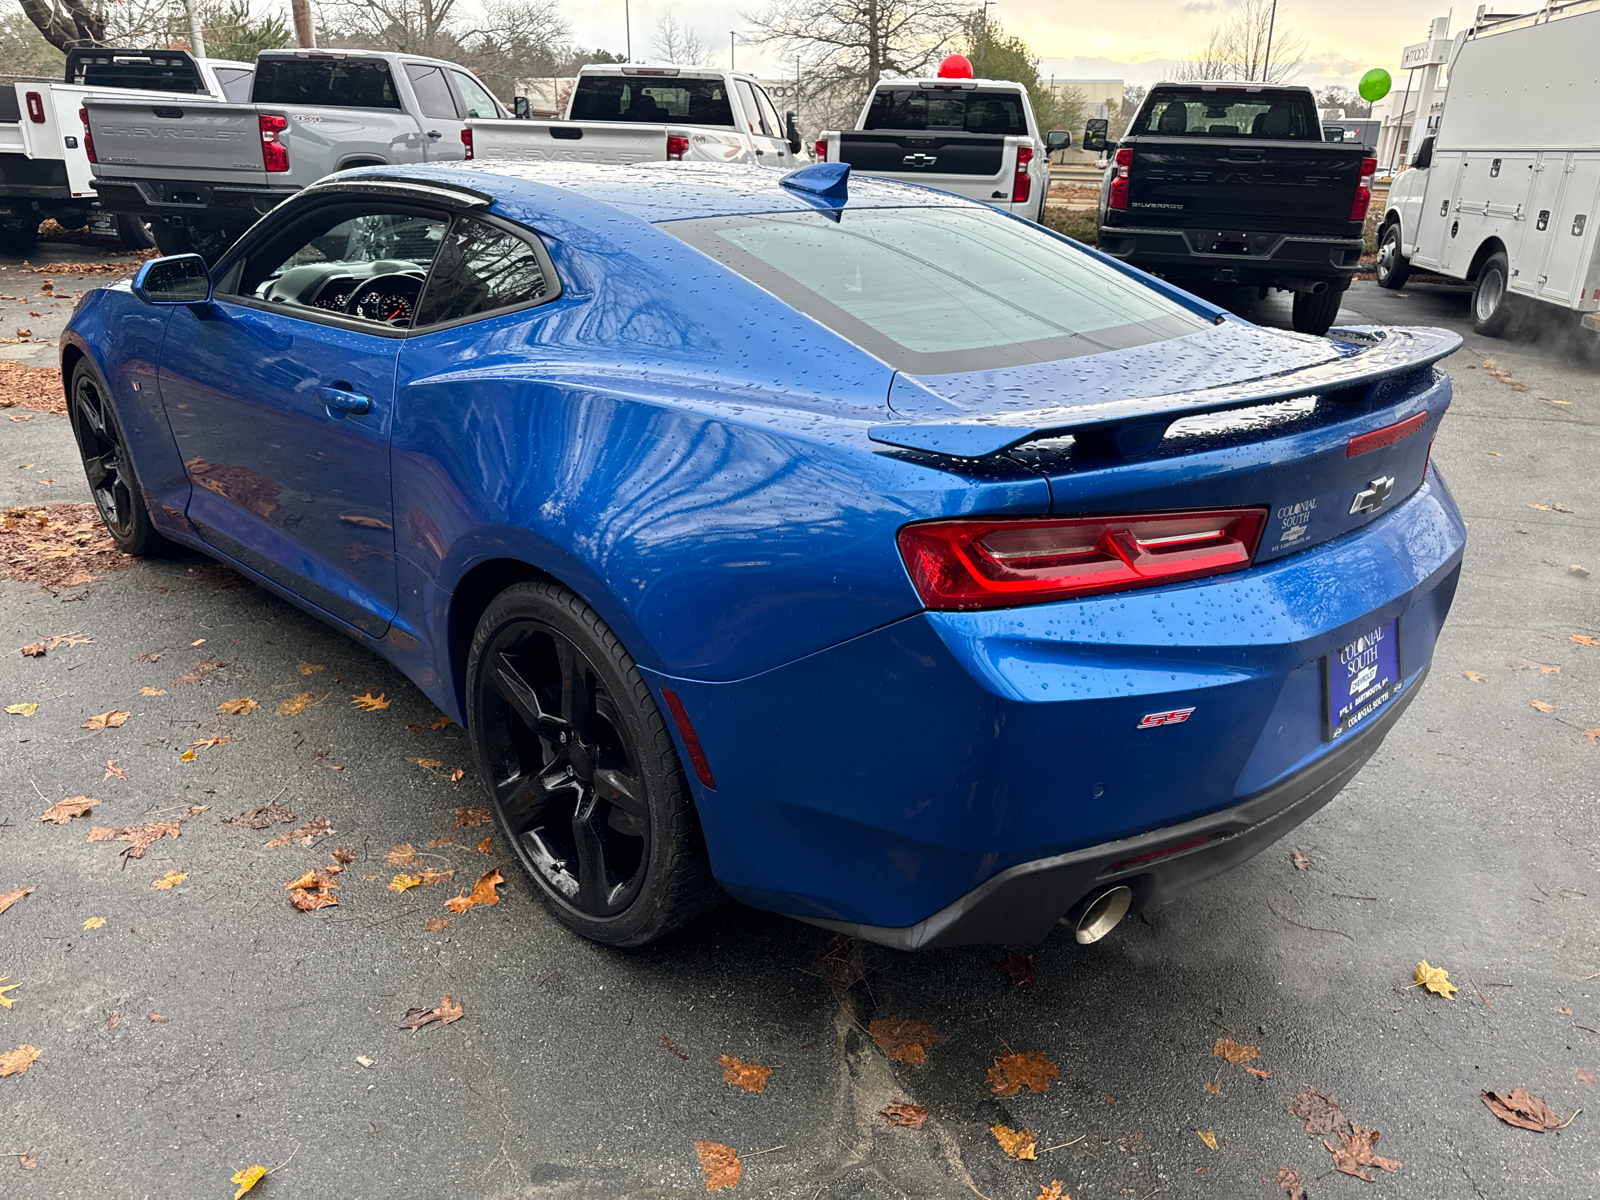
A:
(246, 1032)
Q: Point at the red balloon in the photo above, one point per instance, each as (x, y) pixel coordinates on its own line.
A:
(956, 66)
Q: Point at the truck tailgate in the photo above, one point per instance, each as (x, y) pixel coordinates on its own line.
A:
(881, 152)
(205, 141)
(570, 141)
(1272, 186)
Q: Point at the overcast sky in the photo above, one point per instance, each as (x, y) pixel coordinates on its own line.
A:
(1128, 39)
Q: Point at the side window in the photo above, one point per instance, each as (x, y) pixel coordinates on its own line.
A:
(479, 102)
(754, 119)
(769, 114)
(362, 264)
(481, 269)
(433, 93)
(235, 83)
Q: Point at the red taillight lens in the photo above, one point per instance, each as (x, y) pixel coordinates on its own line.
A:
(466, 142)
(677, 147)
(88, 138)
(274, 154)
(1022, 186)
(997, 563)
(1365, 443)
(822, 149)
(1119, 181)
(1363, 200)
(35, 108)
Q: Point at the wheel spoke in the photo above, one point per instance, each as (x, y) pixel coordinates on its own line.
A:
(96, 467)
(623, 790)
(588, 834)
(522, 799)
(575, 694)
(91, 412)
(507, 682)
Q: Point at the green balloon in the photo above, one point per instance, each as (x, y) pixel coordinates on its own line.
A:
(1375, 85)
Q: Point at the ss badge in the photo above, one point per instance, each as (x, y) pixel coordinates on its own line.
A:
(1176, 717)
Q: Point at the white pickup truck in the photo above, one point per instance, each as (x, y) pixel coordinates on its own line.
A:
(641, 113)
(44, 169)
(202, 174)
(975, 137)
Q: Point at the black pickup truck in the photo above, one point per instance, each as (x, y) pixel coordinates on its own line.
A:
(1231, 183)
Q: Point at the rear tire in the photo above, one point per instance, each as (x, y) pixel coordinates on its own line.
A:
(133, 232)
(1392, 267)
(1315, 313)
(18, 234)
(1495, 311)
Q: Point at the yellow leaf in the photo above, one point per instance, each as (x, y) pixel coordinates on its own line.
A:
(1209, 1138)
(1473, 676)
(94, 923)
(430, 763)
(309, 668)
(150, 691)
(1052, 1192)
(106, 720)
(247, 1179)
(369, 702)
(1018, 1144)
(170, 880)
(22, 710)
(1544, 706)
(298, 703)
(241, 707)
(187, 756)
(9, 987)
(1435, 979)
(15, 1062)
(401, 882)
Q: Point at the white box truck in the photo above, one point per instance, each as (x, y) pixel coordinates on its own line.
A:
(1507, 193)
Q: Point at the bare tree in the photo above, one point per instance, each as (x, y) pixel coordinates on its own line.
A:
(67, 24)
(681, 44)
(1251, 45)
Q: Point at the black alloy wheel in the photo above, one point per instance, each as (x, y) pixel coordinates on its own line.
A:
(108, 466)
(582, 775)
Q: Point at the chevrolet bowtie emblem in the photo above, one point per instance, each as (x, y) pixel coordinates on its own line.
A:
(920, 159)
(1371, 497)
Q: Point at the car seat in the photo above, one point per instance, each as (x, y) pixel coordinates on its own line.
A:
(1174, 119)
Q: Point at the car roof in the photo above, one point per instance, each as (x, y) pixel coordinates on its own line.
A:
(653, 192)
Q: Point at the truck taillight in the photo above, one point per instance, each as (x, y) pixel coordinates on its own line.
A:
(274, 154)
(466, 142)
(1123, 164)
(974, 563)
(822, 149)
(677, 147)
(88, 138)
(1021, 185)
(36, 108)
(1363, 200)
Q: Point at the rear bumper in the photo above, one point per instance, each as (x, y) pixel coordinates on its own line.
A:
(211, 205)
(1234, 255)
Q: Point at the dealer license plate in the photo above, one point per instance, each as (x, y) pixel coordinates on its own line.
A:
(1361, 678)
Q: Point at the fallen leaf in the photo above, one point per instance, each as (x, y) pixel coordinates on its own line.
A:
(1016, 1143)
(909, 1116)
(1300, 861)
(113, 1019)
(1522, 1109)
(456, 775)
(305, 835)
(106, 720)
(1017, 968)
(196, 809)
(33, 650)
(1320, 1111)
(752, 1077)
(369, 702)
(439, 723)
(1054, 1192)
(1291, 1184)
(1259, 1074)
(1576, 569)
(308, 899)
(721, 1165)
(260, 818)
(306, 668)
(113, 771)
(411, 726)
(317, 877)
(198, 672)
(344, 854)
(431, 877)
(1566, 1012)
(1355, 1152)
(1109, 1101)
(188, 756)
(1543, 706)
(401, 882)
(1435, 979)
(482, 892)
(62, 811)
(247, 1179)
(15, 1062)
(1212, 1088)
(1473, 676)
(142, 836)
(197, 642)
(417, 1018)
(210, 742)
(27, 1161)
(22, 710)
(95, 923)
(152, 656)
(7, 899)
(471, 818)
(1586, 1077)
(400, 856)
(1209, 1138)
(1235, 1053)
(1013, 1072)
(157, 1018)
(435, 925)
(170, 880)
(486, 846)
(150, 691)
(1547, 669)
(441, 841)
(5, 1000)
(298, 703)
(1582, 639)
(671, 1045)
(241, 707)
(428, 763)
(904, 1041)
(1592, 736)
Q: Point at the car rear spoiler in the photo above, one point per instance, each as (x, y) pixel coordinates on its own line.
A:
(1130, 427)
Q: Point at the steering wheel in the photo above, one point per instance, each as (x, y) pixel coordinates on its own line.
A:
(391, 299)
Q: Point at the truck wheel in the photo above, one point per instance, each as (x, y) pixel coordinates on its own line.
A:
(1393, 268)
(1494, 309)
(1315, 313)
(18, 234)
(133, 232)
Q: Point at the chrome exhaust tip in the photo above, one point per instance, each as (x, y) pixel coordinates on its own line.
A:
(1101, 915)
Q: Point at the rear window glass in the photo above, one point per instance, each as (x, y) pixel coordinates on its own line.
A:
(651, 101)
(956, 111)
(331, 83)
(1230, 113)
(155, 71)
(936, 290)
(235, 83)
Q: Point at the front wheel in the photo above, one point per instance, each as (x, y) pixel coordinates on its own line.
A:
(582, 774)
(1494, 308)
(1392, 267)
(1315, 312)
(109, 467)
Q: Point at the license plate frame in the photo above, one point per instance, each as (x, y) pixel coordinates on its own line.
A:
(1360, 678)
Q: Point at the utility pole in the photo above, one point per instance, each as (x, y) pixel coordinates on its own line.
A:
(731, 67)
(197, 41)
(627, 32)
(983, 46)
(1266, 65)
(304, 32)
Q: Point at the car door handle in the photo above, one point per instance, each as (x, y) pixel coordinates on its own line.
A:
(434, 133)
(340, 403)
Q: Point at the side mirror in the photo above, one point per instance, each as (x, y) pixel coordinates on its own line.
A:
(1057, 139)
(1424, 156)
(519, 106)
(180, 279)
(1094, 133)
(792, 132)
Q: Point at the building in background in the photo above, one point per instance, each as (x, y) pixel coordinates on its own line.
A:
(1101, 97)
(1407, 115)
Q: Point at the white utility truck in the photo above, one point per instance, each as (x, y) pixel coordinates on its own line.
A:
(975, 137)
(1507, 193)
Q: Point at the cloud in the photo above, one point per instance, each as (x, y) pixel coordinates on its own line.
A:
(1201, 6)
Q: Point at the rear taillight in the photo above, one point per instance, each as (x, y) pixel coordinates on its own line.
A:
(1021, 185)
(88, 138)
(822, 149)
(466, 142)
(677, 147)
(1363, 200)
(36, 108)
(997, 563)
(1365, 443)
(1123, 164)
(274, 154)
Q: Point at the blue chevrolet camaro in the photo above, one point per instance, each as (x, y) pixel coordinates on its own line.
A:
(845, 547)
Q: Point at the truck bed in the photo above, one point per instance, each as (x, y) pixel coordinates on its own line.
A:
(571, 141)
